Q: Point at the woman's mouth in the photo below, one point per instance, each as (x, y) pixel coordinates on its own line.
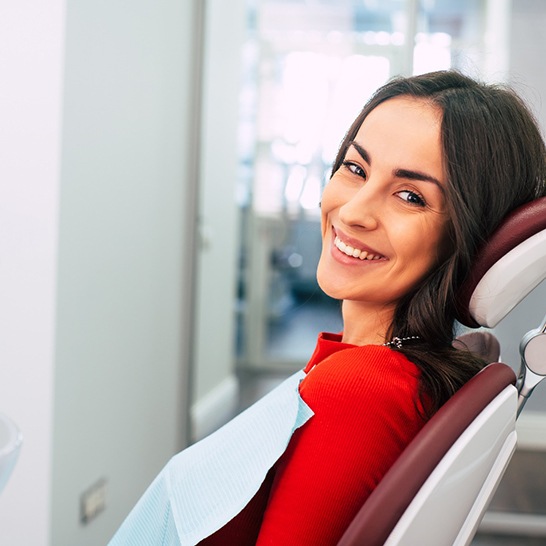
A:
(353, 252)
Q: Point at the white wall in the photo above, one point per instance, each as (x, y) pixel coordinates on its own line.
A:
(215, 387)
(95, 189)
(126, 148)
(31, 59)
(528, 45)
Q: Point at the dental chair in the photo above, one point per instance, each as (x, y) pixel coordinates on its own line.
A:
(438, 490)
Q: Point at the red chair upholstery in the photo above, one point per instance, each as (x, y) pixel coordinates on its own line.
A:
(508, 267)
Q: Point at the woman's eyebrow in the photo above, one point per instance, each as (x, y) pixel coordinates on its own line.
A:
(399, 173)
(361, 151)
(417, 175)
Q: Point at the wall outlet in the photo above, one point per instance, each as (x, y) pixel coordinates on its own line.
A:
(93, 501)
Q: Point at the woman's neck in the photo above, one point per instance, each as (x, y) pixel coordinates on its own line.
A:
(364, 324)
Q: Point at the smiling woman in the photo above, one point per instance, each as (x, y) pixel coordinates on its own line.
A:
(384, 206)
(492, 160)
(426, 172)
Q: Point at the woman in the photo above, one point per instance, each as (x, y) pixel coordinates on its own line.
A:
(426, 172)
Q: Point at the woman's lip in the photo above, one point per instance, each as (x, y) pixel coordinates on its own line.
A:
(355, 243)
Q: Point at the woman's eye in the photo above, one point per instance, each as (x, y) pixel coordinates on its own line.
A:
(355, 169)
(412, 198)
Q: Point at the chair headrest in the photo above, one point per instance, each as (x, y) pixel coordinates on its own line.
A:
(508, 267)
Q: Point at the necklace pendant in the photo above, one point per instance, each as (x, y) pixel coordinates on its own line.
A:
(398, 341)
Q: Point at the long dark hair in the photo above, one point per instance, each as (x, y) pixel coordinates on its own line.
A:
(495, 161)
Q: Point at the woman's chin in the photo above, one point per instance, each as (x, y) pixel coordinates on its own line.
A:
(330, 287)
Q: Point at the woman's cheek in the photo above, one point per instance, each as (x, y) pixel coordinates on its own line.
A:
(326, 204)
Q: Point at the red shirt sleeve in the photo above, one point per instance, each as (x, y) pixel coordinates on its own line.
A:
(366, 408)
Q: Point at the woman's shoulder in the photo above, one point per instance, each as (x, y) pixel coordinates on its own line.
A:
(365, 380)
(371, 358)
(374, 368)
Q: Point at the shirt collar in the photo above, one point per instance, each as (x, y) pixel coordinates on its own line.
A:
(327, 344)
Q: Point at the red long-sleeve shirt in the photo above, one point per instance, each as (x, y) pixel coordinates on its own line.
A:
(367, 410)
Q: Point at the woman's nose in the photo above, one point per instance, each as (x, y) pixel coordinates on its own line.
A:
(362, 209)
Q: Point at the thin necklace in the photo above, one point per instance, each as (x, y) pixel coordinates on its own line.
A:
(398, 341)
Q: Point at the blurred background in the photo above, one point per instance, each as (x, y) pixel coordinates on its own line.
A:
(161, 166)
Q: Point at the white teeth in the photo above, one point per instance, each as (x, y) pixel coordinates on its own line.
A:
(355, 252)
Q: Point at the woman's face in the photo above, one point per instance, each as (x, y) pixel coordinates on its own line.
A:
(383, 212)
